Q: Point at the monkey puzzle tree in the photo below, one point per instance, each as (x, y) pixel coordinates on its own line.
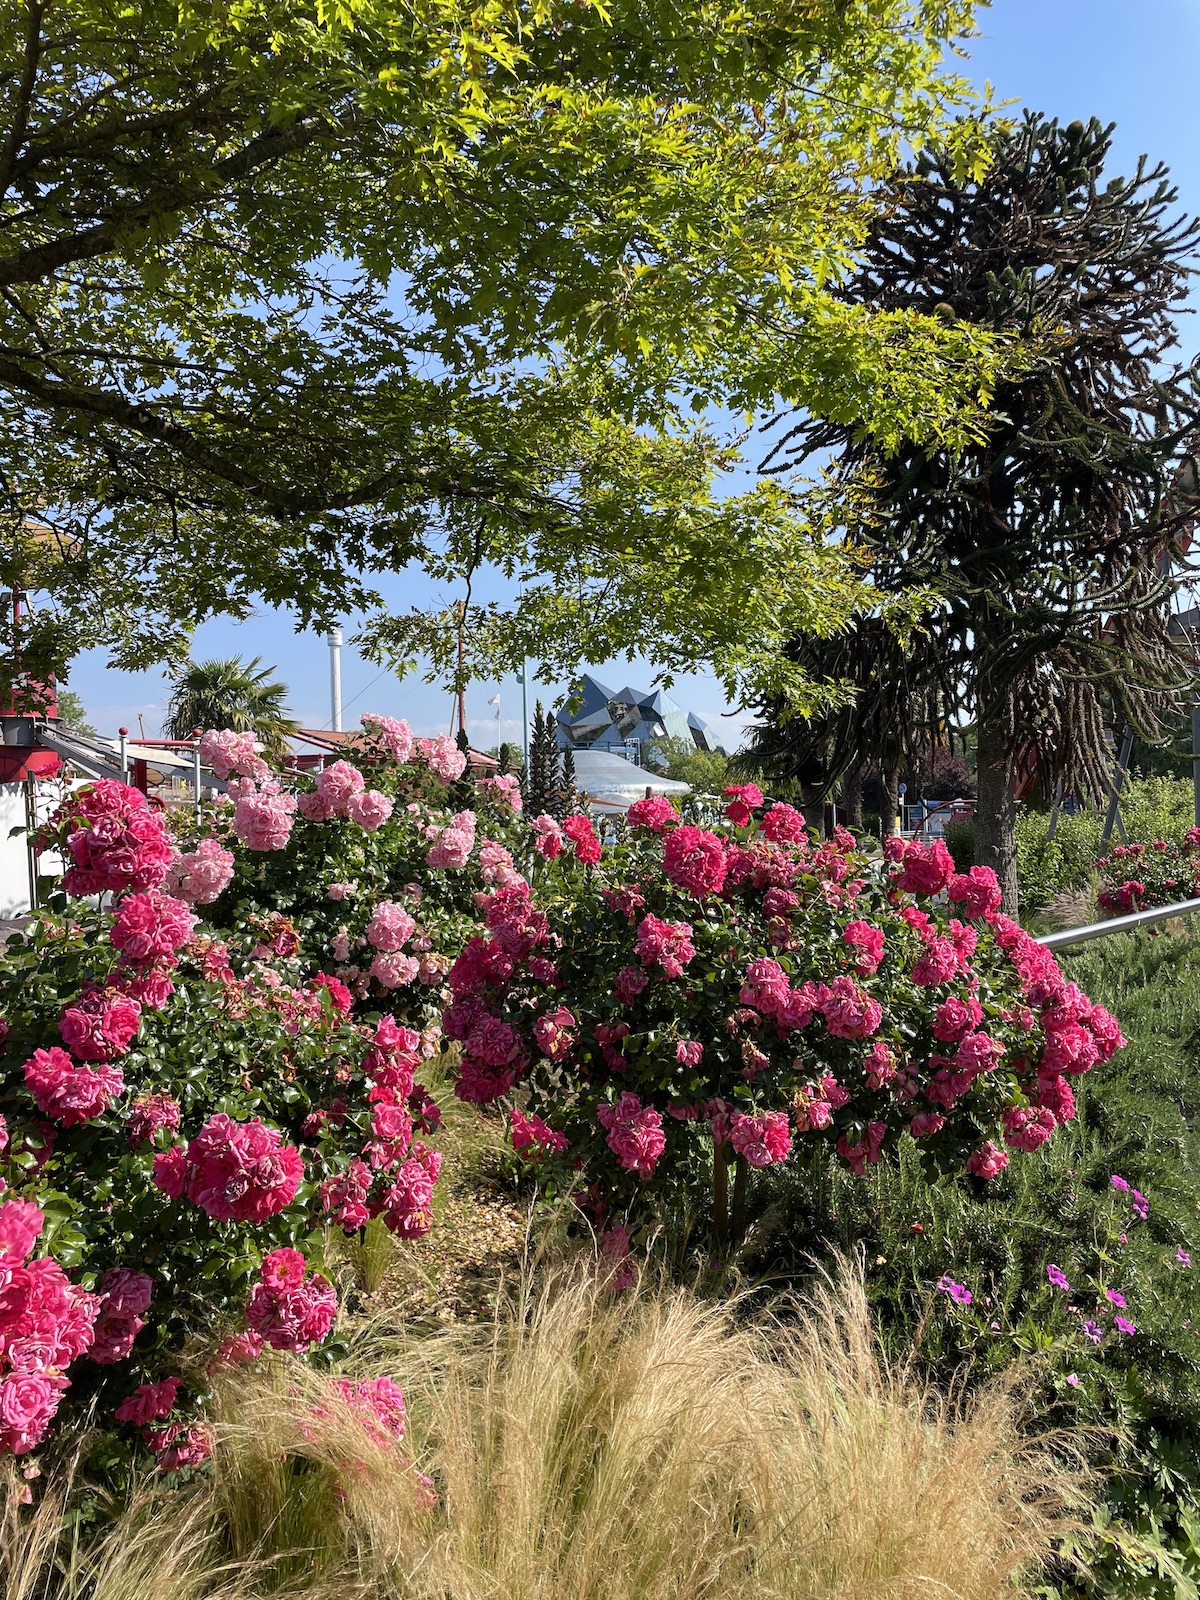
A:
(1047, 543)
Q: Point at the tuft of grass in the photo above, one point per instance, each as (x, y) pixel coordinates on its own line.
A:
(597, 1447)
(162, 1546)
(370, 1253)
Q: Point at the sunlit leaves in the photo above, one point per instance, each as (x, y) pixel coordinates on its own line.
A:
(297, 291)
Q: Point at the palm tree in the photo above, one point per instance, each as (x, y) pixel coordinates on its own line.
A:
(230, 693)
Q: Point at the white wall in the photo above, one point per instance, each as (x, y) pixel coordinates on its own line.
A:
(14, 852)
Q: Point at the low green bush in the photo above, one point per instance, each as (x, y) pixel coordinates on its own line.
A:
(1157, 808)
(960, 841)
(1046, 866)
(1151, 808)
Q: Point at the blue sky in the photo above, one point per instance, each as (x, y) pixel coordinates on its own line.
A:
(1134, 64)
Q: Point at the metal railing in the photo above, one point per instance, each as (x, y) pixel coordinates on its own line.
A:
(1135, 919)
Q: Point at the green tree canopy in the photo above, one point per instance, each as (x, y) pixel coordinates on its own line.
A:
(293, 293)
(706, 770)
(72, 713)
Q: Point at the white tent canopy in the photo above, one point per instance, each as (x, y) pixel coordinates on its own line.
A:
(613, 784)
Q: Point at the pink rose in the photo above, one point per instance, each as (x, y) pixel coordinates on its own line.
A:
(695, 860)
(199, 878)
(549, 840)
(666, 945)
(100, 1025)
(70, 1092)
(655, 812)
(390, 927)
(635, 1134)
(866, 944)
(370, 810)
(763, 1139)
(582, 835)
(151, 926)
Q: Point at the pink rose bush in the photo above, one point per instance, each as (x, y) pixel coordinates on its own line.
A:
(46, 1324)
(378, 857)
(697, 997)
(1135, 877)
(191, 1105)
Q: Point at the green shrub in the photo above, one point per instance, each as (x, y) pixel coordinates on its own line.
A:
(1047, 867)
(872, 825)
(1157, 808)
(960, 841)
(1151, 808)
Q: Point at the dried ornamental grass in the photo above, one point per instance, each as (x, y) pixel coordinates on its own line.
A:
(646, 1447)
(598, 1447)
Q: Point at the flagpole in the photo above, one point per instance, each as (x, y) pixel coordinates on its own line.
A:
(525, 711)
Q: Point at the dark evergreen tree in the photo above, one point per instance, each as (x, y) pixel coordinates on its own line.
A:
(542, 783)
(1049, 542)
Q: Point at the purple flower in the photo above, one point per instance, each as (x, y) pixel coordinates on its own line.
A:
(1118, 1182)
(1073, 1379)
(1124, 1325)
(1182, 1257)
(1114, 1298)
(958, 1292)
(1141, 1205)
(1093, 1331)
(1058, 1278)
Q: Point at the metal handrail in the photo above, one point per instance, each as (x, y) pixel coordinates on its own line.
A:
(1135, 919)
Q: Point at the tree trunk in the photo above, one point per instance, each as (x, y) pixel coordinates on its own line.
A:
(737, 1221)
(891, 800)
(852, 788)
(996, 811)
(721, 1198)
(814, 810)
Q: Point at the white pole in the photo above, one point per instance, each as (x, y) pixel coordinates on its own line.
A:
(335, 679)
(525, 714)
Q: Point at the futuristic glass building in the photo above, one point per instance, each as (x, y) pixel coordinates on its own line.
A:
(624, 720)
